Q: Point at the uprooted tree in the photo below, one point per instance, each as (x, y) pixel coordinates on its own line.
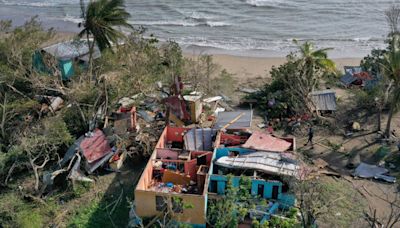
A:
(293, 81)
(384, 64)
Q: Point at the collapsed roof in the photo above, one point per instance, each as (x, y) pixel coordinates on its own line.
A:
(268, 162)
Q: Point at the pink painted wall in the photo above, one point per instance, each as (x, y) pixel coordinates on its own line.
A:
(163, 153)
(191, 169)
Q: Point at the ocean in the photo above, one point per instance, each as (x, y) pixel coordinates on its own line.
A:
(239, 27)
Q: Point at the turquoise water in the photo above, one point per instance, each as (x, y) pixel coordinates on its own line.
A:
(253, 27)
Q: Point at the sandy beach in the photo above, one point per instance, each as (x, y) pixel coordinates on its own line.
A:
(248, 68)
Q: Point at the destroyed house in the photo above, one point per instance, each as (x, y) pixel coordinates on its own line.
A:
(264, 158)
(355, 75)
(176, 175)
(65, 56)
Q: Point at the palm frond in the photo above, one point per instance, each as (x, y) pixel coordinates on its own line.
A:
(103, 17)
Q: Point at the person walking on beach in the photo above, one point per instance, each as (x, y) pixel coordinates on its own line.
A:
(310, 137)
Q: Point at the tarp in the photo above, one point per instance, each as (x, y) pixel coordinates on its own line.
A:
(268, 162)
(324, 100)
(95, 146)
(266, 142)
(244, 121)
(372, 171)
(199, 139)
(369, 171)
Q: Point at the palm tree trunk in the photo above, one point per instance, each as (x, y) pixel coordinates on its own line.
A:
(379, 118)
(91, 48)
(389, 121)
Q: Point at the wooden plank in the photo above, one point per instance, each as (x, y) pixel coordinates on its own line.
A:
(176, 120)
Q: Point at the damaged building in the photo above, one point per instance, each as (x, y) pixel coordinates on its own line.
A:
(190, 166)
(176, 174)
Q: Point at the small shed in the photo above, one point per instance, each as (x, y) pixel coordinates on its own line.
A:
(195, 105)
(66, 54)
(324, 100)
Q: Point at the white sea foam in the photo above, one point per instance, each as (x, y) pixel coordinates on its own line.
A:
(265, 2)
(235, 25)
(183, 23)
(167, 23)
(39, 4)
(196, 15)
(72, 19)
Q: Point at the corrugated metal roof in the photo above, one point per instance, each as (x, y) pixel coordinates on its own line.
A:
(199, 139)
(268, 162)
(349, 72)
(347, 79)
(72, 49)
(95, 147)
(244, 121)
(324, 100)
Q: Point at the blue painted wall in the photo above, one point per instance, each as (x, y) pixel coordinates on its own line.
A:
(66, 68)
(268, 185)
(222, 152)
(286, 201)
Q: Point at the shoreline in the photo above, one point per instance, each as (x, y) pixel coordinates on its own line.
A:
(242, 64)
(246, 68)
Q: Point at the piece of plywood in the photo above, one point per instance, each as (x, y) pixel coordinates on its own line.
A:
(175, 178)
(176, 120)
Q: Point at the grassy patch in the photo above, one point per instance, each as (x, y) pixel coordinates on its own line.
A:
(98, 214)
(347, 207)
(16, 212)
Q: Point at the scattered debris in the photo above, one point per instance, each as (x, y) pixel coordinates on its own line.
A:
(212, 99)
(356, 126)
(248, 90)
(354, 161)
(320, 163)
(372, 171)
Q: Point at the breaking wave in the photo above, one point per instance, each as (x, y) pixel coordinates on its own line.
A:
(265, 2)
(183, 23)
(39, 4)
(72, 19)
